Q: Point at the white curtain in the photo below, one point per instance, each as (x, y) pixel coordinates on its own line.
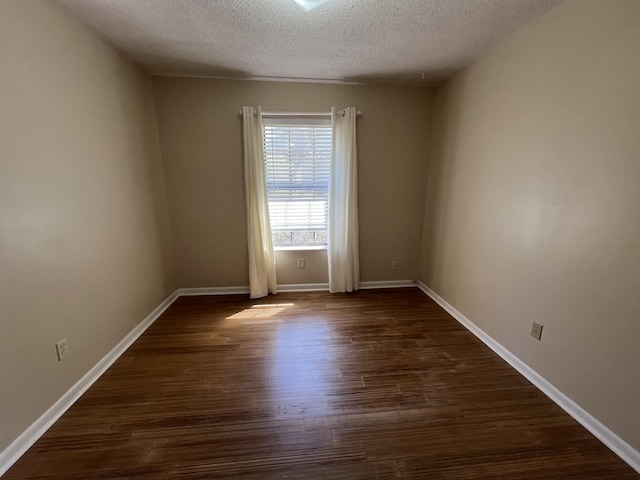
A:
(342, 241)
(262, 267)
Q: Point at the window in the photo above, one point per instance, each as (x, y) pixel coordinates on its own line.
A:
(297, 156)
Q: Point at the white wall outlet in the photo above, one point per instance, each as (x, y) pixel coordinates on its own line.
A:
(536, 330)
(62, 349)
(301, 263)
(394, 265)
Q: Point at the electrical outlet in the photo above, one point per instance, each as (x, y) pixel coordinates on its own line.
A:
(536, 330)
(394, 265)
(62, 349)
(301, 263)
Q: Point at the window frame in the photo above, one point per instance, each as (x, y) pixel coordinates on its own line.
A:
(324, 147)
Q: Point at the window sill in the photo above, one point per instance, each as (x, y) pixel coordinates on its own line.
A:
(300, 248)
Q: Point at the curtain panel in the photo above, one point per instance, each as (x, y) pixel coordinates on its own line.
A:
(342, 238)
(262, 267)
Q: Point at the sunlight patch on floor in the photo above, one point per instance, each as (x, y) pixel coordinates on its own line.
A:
(261, 311)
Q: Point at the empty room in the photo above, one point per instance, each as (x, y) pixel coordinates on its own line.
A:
(320, 239)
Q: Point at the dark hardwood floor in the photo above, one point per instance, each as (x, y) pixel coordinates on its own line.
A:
(375, 384)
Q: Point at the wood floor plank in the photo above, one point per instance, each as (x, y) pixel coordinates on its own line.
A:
(376, 384)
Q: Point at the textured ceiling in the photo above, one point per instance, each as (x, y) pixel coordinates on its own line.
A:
(398, 41)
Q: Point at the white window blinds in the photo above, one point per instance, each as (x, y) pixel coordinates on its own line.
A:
(297, 155)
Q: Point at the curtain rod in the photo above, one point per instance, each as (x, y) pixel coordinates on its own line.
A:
(298, 114)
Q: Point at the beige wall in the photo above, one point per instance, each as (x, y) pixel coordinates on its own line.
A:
(85, 251)
(201, 139)
(533, 202)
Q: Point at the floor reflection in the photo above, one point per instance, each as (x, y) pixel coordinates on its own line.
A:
(302, 369)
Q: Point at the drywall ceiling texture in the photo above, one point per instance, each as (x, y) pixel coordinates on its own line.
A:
(533, 202)
(85, 248)
(409, 41)
(201, 141)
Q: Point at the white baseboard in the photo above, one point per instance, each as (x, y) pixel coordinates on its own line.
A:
(387, 284)
(324, 287)
(304, 287)
(20, 445)
(621, 448)
(292, 287)
(184, 292)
